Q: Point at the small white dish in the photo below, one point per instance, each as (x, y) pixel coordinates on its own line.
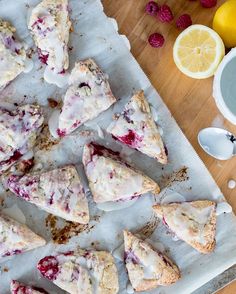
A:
(224, 86)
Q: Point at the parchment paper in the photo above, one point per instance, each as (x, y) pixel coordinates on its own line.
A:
(95, 36)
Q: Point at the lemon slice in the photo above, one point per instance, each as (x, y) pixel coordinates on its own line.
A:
(198, 51)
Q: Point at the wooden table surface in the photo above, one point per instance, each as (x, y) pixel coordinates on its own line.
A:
(190, 101)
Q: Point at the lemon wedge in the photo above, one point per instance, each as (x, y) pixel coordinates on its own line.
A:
(198, 51)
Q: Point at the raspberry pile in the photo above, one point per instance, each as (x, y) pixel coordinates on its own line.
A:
(164, 14)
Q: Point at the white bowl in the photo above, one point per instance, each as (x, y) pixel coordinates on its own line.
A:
(224, 86)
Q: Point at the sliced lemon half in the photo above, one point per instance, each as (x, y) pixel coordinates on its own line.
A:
(198, 51)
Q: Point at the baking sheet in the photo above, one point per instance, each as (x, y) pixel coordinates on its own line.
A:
(95, 36)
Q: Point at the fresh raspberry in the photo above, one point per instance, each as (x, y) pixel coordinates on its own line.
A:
(183, 21)
(208, 3)
(152, 8)
(165, 13)
(156, 40)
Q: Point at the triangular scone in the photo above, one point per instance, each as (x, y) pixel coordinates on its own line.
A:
(16, 238)
(50, 27)
(12, 54)
(58, 191)
(18, 132)
(20, 288)
(88, 95)
(193, 222)
(147, 268)
(136, 128)
(81, 271)
(111, 179)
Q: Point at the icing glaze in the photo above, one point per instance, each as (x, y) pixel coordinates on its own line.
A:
(195, 216)
(81, 271)
(16, 238)
(108, 176)
(58, 191)
(88, 95)
(50, 25)
(136, 128)
(18, 132)
(52, 77)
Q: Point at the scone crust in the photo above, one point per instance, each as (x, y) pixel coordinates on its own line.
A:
(26, 240)
(154, 138)
(56, 15)
(163, 211)
(111, 160)
(58, 191)
(13, 55)
(144, 106)
(89, 94)
(18, 132)
(90, 67)
(109, 277)
(82, 271)
(166, 268)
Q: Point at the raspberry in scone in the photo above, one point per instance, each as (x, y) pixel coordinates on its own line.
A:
(18, 132)
(88, 95)
(136, 128)
(193, 222)
(20, 288)
(16, 238)
(147, 268)
(58, 191)
(81, 271)
(111, 179)
(12, 54)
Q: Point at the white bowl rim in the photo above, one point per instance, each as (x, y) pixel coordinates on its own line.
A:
(220, 102)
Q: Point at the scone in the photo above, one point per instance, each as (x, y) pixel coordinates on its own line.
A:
(12, 54)
(111, 179)
(147, 268)
(81, 271)
(58, 191)
(20, 288)
(88, 95)
(50, 26)
(193, 222)
(18, 132)
(16, 238)
(136, 128)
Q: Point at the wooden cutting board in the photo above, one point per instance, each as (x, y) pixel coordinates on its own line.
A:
(190, 101)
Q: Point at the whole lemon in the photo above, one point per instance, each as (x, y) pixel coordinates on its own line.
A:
(224, 22)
